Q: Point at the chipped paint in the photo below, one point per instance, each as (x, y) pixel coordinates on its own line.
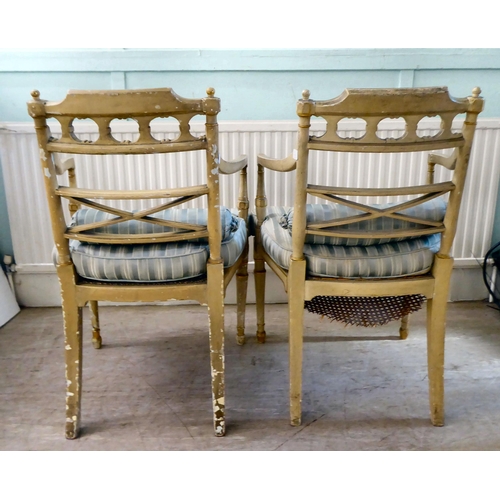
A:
(215, 158)
(46, 171)
(69, 394)
(42, 154)
(68, 347)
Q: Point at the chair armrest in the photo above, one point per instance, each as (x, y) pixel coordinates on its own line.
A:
(243, 203)
(446, 161)
(285, 165)
(64, 163)
(61, 164)
(231, 167)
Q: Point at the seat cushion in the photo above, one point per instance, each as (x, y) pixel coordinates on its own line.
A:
(252, 217)
(387, 260)
(156, 262)
(433, 210)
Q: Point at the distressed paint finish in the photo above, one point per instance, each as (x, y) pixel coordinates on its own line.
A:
(296, 277)
(94, 319)
(436, 325)
(260, 257)
(374, 105)
(141, 106)
(260, 267)
(73, 334)
(242, 273)
(215, 302)
(404, 328)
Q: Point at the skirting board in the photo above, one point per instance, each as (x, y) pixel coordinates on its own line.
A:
(8, 305)
(38, 286)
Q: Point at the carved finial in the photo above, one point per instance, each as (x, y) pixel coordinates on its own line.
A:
(35, 94)
(306, 94)
(476, 91)
(210, 91)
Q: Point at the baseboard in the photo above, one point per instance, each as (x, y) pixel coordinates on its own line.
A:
(38, 286)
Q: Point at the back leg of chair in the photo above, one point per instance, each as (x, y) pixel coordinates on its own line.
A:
(403, 330)
(215, 277)
(94, 318)
(73, 356)
(296, 286)
(260, 288)
(436, 324)
(241, 297)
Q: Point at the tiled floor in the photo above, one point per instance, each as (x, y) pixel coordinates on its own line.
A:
(148, 388)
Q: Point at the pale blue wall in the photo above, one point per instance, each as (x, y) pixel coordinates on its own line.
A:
(252, 84)
(5, 239)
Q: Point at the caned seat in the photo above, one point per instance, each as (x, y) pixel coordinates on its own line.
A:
(350, 256)
(155, 250)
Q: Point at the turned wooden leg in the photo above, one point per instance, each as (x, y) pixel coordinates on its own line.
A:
(296, 286)
(403, 330)
(436, 324)
(260, 289)
(241, 297)
(94, 318)
(73, 357)
(215, 276)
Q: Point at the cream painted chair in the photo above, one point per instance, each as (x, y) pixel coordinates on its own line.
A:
(360, 262)
(157, 253)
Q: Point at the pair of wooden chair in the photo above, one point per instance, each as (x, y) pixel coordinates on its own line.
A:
(349, 259)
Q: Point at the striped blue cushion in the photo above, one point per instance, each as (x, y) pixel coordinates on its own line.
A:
(188, 215)
(153, 262)
(388, 260)
(252, 217)
(432, 210)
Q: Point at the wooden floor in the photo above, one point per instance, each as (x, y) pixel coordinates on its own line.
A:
(148, 388)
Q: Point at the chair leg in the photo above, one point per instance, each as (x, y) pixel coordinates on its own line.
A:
(215, 274)
(94, 317)
(73, 357)
(296, 277)
(403, 330)
(436, 324)
(241, 297)
(260, 290)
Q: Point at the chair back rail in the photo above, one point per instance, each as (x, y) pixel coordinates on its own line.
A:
(373, 106)
(142, 106)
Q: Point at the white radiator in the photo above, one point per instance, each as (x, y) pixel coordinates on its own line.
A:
(28, 213)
